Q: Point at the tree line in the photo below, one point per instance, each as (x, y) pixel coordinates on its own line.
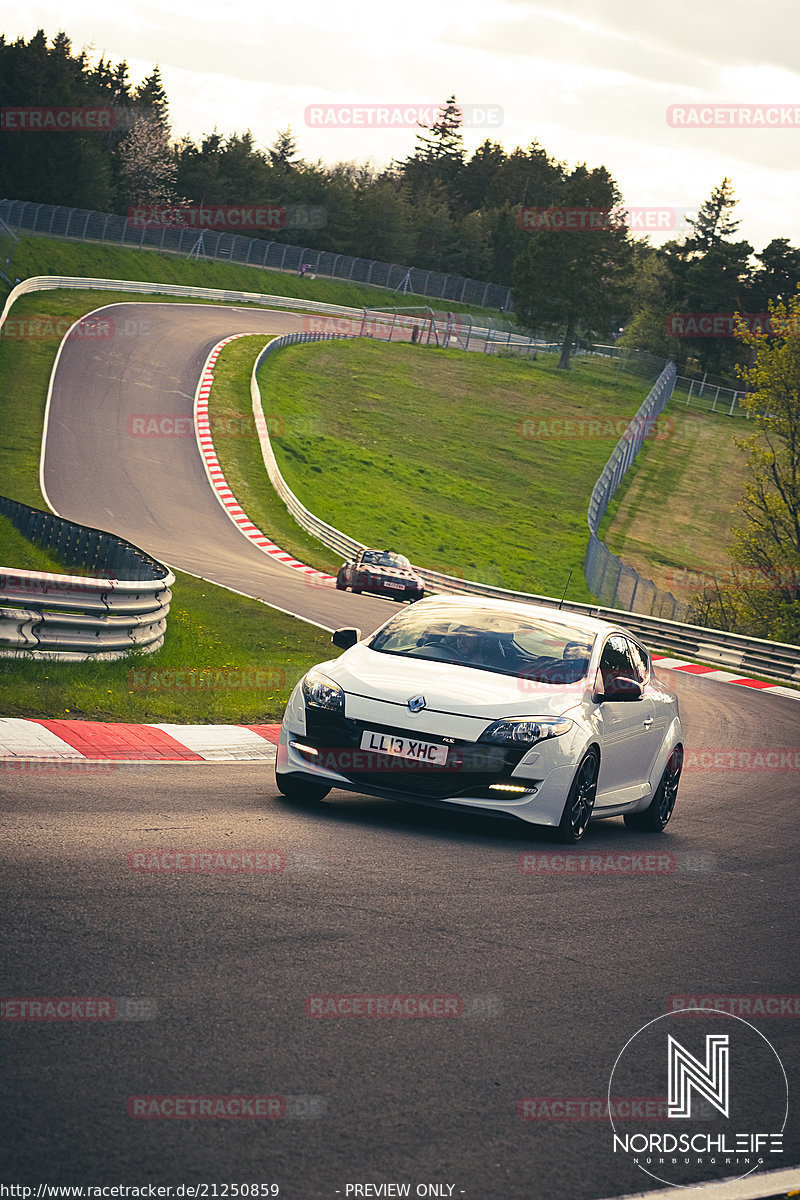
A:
(439, 209)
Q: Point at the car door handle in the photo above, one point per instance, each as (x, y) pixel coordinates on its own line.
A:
(647, 722)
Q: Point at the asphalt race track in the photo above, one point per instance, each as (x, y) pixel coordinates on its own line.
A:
(154, 490)
(553, 972)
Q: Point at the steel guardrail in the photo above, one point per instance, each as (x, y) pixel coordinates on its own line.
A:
(69, 618)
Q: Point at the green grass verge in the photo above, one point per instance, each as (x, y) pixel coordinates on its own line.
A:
(672, 516)
(48, 256)
(226, 660)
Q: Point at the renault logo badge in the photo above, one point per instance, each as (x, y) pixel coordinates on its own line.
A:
(416, 703)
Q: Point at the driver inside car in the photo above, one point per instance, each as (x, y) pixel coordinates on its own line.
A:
(473, 647)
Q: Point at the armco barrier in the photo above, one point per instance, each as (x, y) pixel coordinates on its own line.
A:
(728, 650)
(122, 605)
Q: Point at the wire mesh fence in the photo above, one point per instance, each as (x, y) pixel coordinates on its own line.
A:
(708, 397)
(82, 225)
(611, 581)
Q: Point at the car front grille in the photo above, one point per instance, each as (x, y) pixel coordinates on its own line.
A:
(470, 765)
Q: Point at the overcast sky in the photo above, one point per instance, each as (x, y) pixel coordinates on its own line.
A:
(592, 83)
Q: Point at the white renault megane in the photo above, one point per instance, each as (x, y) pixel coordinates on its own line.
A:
(512, 708)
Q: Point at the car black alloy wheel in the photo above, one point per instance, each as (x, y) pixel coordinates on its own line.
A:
(658, 812)
(580, 801)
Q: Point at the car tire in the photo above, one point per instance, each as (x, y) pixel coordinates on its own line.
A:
(340, 583)
(302, 790)
(660, 809)
(580, 801)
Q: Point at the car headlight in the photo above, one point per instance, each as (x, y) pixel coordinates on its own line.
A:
(525, 730)
(321, 692)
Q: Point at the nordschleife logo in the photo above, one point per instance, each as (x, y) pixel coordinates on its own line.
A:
(719, 1089)
(708, 1079)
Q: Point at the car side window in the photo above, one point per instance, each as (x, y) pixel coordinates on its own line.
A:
(640, 661)
(616, 661)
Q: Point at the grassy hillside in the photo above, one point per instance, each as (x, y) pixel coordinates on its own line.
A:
(47, 256)
(672, 517)
(469, 464)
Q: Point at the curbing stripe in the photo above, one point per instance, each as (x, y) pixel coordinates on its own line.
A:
(70, 742)
(219, 484)
(719, 676)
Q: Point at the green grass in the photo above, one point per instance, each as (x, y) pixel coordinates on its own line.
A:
(226, 660)
(674, 511)
(427, 451)
(46, 256)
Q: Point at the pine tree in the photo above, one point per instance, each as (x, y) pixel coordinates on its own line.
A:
(713, 223)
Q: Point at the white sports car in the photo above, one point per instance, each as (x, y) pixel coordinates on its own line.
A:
(512, 708)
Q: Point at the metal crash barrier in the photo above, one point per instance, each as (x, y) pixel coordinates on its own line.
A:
(120, 604)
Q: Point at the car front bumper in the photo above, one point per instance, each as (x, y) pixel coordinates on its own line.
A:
(529, 785)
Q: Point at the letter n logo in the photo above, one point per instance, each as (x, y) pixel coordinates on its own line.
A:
(709, 1079)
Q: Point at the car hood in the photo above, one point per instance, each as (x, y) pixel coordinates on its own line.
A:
(447, 687)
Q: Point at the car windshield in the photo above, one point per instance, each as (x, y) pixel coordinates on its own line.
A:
(385, 558)
(508, 642)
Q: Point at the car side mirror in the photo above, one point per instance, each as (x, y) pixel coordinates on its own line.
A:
(618, 688)
(345, 638)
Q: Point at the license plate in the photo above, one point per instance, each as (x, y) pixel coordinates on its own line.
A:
(404, 747)
(392, 584)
